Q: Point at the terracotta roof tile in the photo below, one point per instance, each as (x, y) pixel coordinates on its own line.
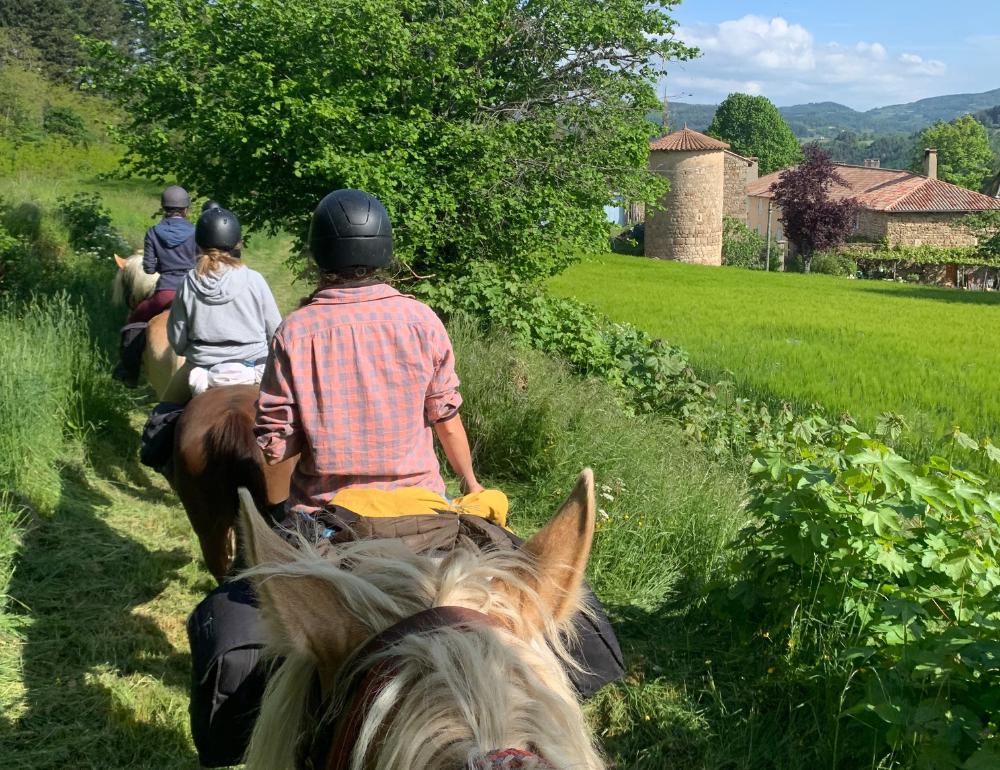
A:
(886, 189)
(687, 140)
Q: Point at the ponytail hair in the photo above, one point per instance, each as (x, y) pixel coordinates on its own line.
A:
(213, 259)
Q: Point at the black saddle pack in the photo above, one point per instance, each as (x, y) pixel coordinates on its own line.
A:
(157, 447)
(226, 631)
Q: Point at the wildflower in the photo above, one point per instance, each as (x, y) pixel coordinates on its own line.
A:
(791, 642)
(604, 514)
(626, 515)
(770, 671)
(647, 717)
(864, 671)
(767, 634)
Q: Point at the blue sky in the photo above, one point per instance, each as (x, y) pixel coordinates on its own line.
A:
(860, 53)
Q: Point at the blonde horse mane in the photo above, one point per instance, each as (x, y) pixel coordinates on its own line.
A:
(132, 284)
(456, 694)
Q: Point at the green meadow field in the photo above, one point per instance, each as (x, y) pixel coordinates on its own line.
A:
(858, 346)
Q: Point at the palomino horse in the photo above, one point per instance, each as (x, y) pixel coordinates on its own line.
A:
(132, 286)
(399, 661)
(215, 453)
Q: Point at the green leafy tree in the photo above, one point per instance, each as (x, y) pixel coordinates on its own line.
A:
(964, 154)
(754, 128)
(493, 131)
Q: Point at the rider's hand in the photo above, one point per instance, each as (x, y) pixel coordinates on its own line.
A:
(469, 487)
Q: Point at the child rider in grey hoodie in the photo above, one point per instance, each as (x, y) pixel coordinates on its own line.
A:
(224, 312)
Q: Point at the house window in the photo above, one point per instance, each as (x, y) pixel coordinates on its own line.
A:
(758, 229)
(779, 233)
(857, 222)
(760, 206)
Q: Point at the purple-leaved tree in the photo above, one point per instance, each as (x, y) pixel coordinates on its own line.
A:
(813, 221)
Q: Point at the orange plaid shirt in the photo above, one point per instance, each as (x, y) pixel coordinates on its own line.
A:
(354, 383)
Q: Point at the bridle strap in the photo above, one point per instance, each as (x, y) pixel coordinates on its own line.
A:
(365, 685)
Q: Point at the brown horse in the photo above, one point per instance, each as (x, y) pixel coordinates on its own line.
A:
(131, 286)
(215, 454)
(399, 661)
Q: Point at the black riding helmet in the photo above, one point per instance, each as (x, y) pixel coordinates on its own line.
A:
(218, 229)
(350, 228)
(210, 205)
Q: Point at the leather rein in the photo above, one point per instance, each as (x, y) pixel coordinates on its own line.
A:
(332, 742)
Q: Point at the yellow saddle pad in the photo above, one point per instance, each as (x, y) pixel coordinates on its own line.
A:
(490, 504)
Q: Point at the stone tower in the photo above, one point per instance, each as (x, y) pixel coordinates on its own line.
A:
(689, 229)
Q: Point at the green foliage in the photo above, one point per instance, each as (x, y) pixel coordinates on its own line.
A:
(926, 254)
(986, 226)
(493, 131)
(90, 227)
(51, 28)
(964, 154)
(754, 128)
(741, 247)
(64, 121)
(882, 573)
(834, 263)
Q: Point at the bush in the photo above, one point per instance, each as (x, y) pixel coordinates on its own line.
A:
(741, 247)
(90, 228)
(65, 122)
(834, 264)
(882, 574)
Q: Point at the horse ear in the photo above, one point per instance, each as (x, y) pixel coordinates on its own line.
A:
(560, 550)
(121, 261)
(305, 614)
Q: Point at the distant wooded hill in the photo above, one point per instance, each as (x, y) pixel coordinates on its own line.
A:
(828, 119)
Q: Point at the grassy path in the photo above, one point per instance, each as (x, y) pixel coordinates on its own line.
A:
(94, 662)
(857, 346)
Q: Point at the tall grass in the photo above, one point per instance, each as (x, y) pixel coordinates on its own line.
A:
(858, 346)
(55, 392)
(666, 511)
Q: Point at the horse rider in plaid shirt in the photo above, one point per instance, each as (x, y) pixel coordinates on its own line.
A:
(361, 378)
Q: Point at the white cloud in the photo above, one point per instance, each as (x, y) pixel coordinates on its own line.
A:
(786, 63)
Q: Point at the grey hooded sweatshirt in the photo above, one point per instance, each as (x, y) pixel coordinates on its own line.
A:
(227, 315)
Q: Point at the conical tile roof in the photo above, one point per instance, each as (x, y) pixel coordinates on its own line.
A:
(687, 140)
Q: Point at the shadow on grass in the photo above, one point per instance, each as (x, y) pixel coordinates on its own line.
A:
(934, 294)
(693, 697)
(92, 666)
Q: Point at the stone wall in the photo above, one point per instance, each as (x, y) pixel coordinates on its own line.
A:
(914, 229)
(739, 172)
(689, 228)
(927, 230)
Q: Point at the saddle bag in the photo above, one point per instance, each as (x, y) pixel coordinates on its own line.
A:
(157, 447)
(225, 630)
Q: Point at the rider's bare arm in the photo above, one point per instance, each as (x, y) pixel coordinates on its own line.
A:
(451, 434)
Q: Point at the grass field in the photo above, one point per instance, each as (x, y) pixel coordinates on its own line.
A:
(858, 346)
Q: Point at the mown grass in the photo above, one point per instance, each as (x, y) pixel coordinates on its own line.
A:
(858, 346)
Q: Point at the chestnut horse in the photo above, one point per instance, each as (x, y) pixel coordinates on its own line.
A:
(131, 286)
(215, 453)
(392, 660)
(214, 448)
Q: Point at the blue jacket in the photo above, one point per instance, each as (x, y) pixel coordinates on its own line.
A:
(170, 250)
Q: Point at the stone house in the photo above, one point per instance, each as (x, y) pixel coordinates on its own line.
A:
(899, 206)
